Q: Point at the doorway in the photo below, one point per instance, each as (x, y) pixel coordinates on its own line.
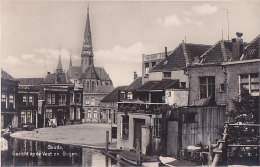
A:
(138, 123)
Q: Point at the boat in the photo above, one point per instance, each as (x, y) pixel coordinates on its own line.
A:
(130, 157)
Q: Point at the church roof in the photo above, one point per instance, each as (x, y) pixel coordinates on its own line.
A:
(90, 73)
(59, 65)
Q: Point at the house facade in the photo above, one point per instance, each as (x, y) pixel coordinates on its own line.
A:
(9, 92)
(28, 96)
(222, 73)
(95, 80)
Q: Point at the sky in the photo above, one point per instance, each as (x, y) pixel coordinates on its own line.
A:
(34, 33)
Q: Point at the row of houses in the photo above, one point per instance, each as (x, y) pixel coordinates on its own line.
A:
(183, 95)
(71, 97)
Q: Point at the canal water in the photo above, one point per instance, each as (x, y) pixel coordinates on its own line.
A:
(34, 153)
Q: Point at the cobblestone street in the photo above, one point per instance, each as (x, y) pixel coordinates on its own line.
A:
(81, 134)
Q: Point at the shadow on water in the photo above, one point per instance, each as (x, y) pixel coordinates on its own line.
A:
(35, 153)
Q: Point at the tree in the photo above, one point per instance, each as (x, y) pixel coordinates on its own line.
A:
(246, 111)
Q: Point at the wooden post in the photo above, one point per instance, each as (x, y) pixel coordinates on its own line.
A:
(210, 155)
(179, 143)
(138, 153)
(107, 140)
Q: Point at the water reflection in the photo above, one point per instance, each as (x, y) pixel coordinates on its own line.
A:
(33, 153)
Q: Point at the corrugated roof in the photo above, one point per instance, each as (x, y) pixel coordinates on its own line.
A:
(183, 55)
(159, 85)
(113, 96)
(5, 75)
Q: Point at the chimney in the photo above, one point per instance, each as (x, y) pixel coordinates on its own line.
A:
(135, 75)
(237, 46)
(166, 55)
(48, 72)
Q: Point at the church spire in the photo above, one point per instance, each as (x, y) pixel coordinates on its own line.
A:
(59, 65)
(87, 52)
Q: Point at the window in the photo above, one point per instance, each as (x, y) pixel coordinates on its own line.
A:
(157, 129)
(122, 95)
(48, 98)
(207, 87)
(129, 95)
(78, 114)
(92, 101)
(24, 100)
(62, 99)
(11, 101)
(89, 113)
(71, 98)
(221, 88)
(78, 98)
(93, 85)
(95, 113)
(125, 126)
(182, 85)
(49, 113)
(167, 75)
(153, 64)
(53, 99)
(87, 85)
(72, 114)
(146, 69)
(87, 100)
(29, 116)
(3, 100)
(188, 117)
(31, 100)
(23, 116)
(250, 82)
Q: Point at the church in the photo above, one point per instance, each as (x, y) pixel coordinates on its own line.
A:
(95, 80)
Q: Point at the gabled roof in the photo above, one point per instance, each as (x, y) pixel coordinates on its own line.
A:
(90, 73)
(135, 84)
(159, 85)
(221, 52)
(102, 73)
(113, 96)
(182, 56)
(74, 72)
(5, 75)
(55, 78)
(251, 51)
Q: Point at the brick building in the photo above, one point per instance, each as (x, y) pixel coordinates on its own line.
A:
(9, 92)
(223, 70)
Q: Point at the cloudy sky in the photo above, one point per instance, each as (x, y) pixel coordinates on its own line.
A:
(32, 31)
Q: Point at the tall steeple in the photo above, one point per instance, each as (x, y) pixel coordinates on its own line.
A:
(59, 65)
(87, 52)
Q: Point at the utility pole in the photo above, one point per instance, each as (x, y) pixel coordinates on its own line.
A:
(227, 23)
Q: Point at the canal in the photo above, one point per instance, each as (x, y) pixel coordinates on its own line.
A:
(35, 153)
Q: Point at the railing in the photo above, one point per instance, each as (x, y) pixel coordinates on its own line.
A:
(140, 107)
(223, 145)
